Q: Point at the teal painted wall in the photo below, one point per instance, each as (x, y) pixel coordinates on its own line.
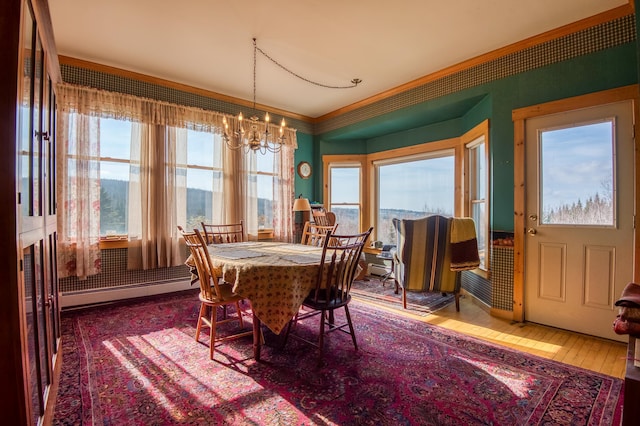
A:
(454, 114)
(304, 153)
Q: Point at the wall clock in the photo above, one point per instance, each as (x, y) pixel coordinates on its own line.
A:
(304, 170)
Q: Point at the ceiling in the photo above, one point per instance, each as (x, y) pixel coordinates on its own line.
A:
(208, 44)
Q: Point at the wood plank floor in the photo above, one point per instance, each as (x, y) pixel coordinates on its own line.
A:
(592, 353)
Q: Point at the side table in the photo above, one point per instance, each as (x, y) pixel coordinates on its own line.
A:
(386, 256)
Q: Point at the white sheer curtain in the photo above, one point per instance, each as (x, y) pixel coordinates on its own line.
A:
(283, 195)
(157, 192)
(78, 188)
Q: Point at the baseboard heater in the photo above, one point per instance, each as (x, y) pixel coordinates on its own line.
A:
(111, 294)
(378, 270)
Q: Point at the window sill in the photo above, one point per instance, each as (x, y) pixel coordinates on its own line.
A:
(114, 242)
(372, 250)
(122, 241)
(265, 234)
(482, 273)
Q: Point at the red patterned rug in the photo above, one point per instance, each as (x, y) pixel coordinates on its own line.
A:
(375, 291)
(139, 364)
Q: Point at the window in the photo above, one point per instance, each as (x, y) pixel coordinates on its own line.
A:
(265, 182)
(476, 202)
(204, 178)
(115, 140)
(344, 189)
(202, 168)
(413, 182)
(413, 187)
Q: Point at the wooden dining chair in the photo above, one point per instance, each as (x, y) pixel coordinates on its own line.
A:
(324, 218)
(340, 255)
(223, 233)
(314, 235)
(213, 293)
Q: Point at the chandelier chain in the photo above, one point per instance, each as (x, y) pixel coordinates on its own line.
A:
(354, 82)
(254, 73)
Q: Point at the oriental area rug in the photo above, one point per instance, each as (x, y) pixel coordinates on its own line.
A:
(375, 290)
(139, 364)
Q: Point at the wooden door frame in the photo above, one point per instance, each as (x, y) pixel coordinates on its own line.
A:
(519, 116)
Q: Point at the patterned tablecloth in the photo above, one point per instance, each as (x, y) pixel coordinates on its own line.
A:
(275, 277)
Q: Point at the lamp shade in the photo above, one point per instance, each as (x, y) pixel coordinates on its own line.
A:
(301, 205)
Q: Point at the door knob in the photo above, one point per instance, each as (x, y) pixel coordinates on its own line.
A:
(531, 231)
(533, 217)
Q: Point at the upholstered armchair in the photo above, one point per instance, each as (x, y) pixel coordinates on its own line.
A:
(423, 257)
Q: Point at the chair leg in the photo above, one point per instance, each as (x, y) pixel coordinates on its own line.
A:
(239, 314)
(212, 333)
(286, 334)
(321, 341)
(292, 321)
(203, 312)
(331, 319)
(353, 333)
(457, 295)
(404, 298)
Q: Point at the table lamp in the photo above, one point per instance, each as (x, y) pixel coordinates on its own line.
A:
(301, 208)
(301, 205)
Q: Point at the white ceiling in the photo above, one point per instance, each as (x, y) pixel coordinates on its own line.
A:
(208, 43)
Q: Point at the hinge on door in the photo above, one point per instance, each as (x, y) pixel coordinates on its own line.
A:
(19, 197)
(21, 265)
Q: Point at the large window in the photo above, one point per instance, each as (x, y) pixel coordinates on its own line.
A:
(448, 177)
(202, 168)
(413, 187)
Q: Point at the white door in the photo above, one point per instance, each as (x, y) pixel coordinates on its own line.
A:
(579, 217)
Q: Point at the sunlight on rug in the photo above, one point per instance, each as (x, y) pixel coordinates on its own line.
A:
(140, 364)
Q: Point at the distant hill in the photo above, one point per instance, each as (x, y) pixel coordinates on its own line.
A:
(113, 210)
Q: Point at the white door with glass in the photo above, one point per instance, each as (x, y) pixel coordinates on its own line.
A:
(579, 217)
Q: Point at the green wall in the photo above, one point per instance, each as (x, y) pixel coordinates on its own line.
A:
(454, 114)
(304, 153)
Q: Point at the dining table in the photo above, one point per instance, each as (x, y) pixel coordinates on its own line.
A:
(275, 277)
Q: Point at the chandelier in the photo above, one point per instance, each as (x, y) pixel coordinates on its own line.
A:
(257, 136)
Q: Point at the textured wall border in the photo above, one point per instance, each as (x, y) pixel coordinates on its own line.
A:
(603, 36)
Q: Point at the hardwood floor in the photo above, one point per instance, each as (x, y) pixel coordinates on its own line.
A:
(592, 353)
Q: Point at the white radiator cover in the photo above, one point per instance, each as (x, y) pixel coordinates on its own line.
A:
(111, 294)
(378, 270)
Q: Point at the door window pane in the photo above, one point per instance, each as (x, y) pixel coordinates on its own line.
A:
(577, 175)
